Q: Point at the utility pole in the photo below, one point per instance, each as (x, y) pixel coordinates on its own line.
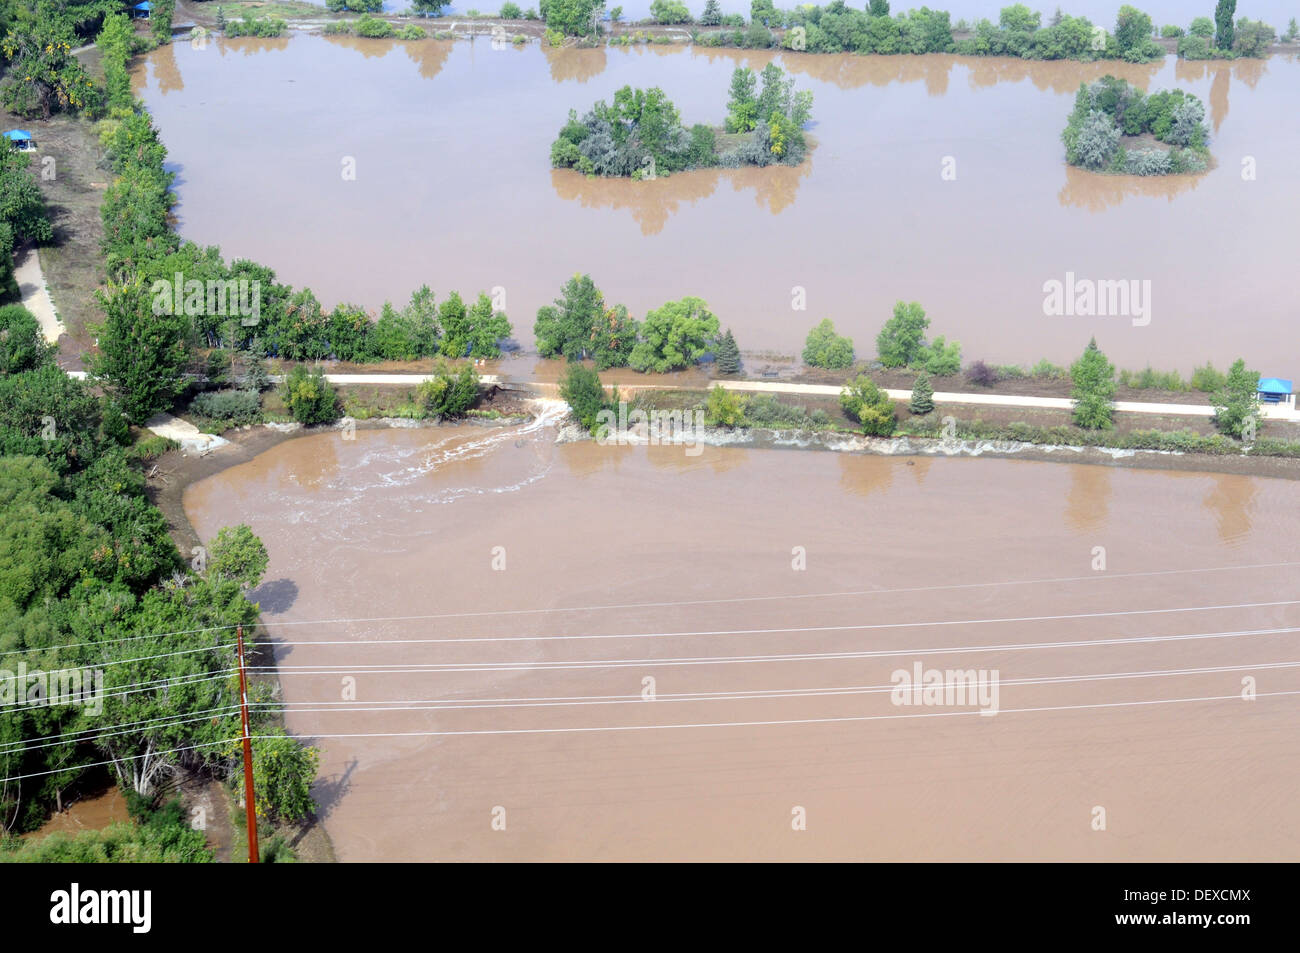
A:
(251, 811)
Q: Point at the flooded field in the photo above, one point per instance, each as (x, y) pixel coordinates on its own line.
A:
(453, 188)
(513, 649)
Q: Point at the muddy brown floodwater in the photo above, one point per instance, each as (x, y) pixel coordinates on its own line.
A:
(502, 608)
(453, 188)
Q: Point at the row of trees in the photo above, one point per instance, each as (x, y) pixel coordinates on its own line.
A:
(90, 580)
(641, 134)
(582, 325)
(147, 345)
(901, 343)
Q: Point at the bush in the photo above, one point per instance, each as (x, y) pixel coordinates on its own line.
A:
(448, 392)
(411, 32)
(1046, 370)
(981, 375)
(724, 408)
(767, 410)
(263, 27)
(869, 405)
(942, 359)
(374, 28)
(581, 389)
(22, 346)
(1207, 380)
(669, 11)
(825, 348)
(1171, 32)
(236, 408)
(511, 11)
(1148, 379)
(309, 396)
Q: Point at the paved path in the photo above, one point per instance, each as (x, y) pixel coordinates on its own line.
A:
(833, 390)
(36, 296)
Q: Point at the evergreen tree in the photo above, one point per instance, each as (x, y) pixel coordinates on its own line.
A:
(1094, 386)
(712, 15)
(922, 396)
(727, 354)
(1223, 31)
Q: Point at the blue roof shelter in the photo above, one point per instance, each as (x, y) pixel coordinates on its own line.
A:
(1274, 390)
(141, 9)
(20, 138)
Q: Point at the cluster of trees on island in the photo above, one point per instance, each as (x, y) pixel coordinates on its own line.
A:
(641, 135)
(1109, 112)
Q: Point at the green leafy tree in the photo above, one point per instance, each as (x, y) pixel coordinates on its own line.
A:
(1236, 403)
(669, 11)
(674, 335)
(311, 399)
(476, 330)
(942, 358)
(571, 17)
(581, 325)
(922, 401)
(824, 348)
(727, 354)
(238, 555)
(44, 77)
(448, 392)
(142, 355)
(1223, 28)
(712, 15)
(901, 341)
(22, 346)
(742, 108)
(864, 401)
(581, 389)
(283, 772)
(1202, 27)
(22, 206)
(878, 8)
(1093, 378)
(1132, 29)
(724, 408)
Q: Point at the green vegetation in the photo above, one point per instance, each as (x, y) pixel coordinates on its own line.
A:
(580, 325)
(1109, 109)
(825, 348)
(448, 392)
(641, 135)
(922, 401)
(862, 400)
(375, 28)
(1236, 404)
(361, 6)
(727, 354)
(669, 12)
(581, 389)
(309, 396)
(674, 336)
(154, 835)
(724, 408)
(901, 343)
(1094, 387)
(261, 26)
(511, 11)
(570, 17)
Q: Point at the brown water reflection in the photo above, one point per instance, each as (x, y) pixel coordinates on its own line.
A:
(1096, 192)
(653, 203)
(1087, 504)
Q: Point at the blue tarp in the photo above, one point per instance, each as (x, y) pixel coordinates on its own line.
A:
(146, 6)
(18, 135)
(1274, 385)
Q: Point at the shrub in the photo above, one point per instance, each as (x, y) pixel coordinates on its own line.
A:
(669, 11)
(374, 27)
(448, 392)
(237, 408)
(942, 359)
(22, 346)
(724, 408)
(767, 410)
(1149, 379)
(869, 405)
(1171, 32)
(1207, 380)
(1202, 26)
(311, 399)
(825, 348)
(581, 389)
(981, 375)
(511, 11)
(411, 32)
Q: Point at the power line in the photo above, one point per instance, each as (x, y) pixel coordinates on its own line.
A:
(19, 747)
(796, 629)
(429, 667)
(453, 704)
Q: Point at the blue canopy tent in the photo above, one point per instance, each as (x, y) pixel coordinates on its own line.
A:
(1274, 390)
(21, 138)
(141, 10)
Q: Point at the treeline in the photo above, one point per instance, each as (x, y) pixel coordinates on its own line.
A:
(116, 651)
(1109, 109)
(641, 135)
(184, 298)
